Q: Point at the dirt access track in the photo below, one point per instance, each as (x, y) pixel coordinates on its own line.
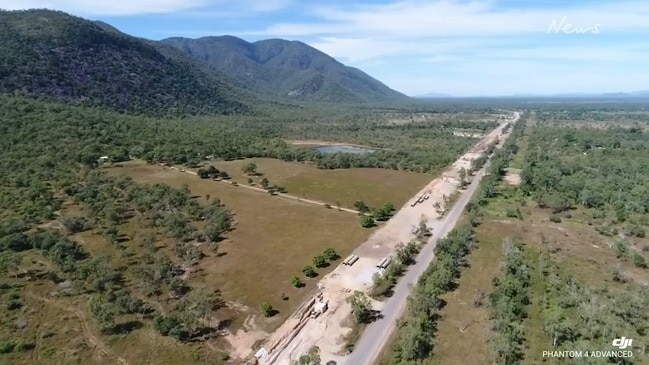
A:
(300, 332)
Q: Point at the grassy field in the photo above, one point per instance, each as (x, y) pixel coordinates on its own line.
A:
(273, 239)
(344, 186)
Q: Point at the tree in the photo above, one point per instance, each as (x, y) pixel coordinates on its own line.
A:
(361, 307)
(267, 309)
(319, 261)
(621, 249)
(330, 254)
(165, 325)
(9, 262)
(76, 224)
(250, 169)
(203, 302)
(177, 287)
(311, 358)
(296, 282)
(463, 181)
(309, 271)
(384, 213)
(367, 221)
(103, 313)
(639, 261)
(389, 207)
(203, 174)
(423, 228)
(212, 171)
(361, 206)
(556, 326)
(111, 233)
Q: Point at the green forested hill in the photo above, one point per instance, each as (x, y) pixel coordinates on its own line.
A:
(289, 68)
(54, 55)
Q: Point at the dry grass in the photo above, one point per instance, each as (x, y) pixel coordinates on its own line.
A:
(63, 331)
(374, 186)
(272, 240)
(463, 329)
(56, 333)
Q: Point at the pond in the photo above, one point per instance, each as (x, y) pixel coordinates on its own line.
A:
(344, 149)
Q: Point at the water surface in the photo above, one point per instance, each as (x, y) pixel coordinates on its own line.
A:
(344, 149)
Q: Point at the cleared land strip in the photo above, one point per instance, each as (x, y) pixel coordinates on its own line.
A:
(299, 333)
(283, 195)
(377, 334)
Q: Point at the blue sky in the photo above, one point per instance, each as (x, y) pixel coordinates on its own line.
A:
(462, 48)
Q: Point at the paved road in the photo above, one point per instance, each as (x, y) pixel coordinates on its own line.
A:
(377, 334)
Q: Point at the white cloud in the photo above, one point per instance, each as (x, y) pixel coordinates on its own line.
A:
(106, 7)
(602, 54)
(363, 49)
(137, 7)
(422, 19)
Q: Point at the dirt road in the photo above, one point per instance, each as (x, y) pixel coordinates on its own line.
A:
(287, 196)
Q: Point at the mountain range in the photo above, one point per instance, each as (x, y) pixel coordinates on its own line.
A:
(53, 55)
(290, 68)
(614, 95)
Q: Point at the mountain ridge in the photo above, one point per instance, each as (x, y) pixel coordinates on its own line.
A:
(57, 56)
(295, 69)
(54, 55)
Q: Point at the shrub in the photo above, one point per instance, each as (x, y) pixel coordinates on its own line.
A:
(296, 282)
(367, 221)
(24, 347)
(555, 218)
(330, 254)
(6, 347)
(309, 271)
(319, 261)
(267, 309)
(619, 276)
(165, 325)
(76, 224)
(639, 261)
(514, 213)
(14, 304)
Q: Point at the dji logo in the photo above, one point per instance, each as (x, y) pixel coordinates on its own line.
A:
(622, 343)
